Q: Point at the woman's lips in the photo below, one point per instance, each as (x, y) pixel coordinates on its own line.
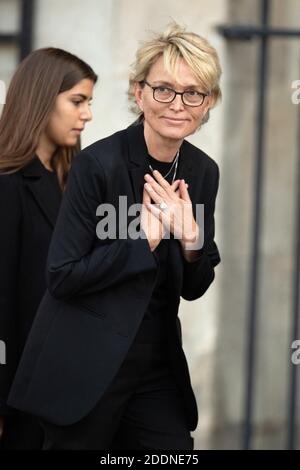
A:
(174, 120)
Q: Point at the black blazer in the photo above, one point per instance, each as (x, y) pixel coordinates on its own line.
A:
(99, 290)
(29, 204)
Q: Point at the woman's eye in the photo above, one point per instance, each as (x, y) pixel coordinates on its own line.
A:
(192, 93)
(77, 103)
(163, 89)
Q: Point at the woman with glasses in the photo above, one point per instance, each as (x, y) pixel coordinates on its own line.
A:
(47, 107)
(104, 366)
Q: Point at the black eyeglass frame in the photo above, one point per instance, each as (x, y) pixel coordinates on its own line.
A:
(181, 93)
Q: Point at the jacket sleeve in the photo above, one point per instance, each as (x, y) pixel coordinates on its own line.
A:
(79, 263)
(10, 215)
(198, 275)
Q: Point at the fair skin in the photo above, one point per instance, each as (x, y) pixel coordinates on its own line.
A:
(165, 127)
(67, 120)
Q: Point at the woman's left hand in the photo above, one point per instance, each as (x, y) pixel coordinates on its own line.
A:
(177, 216)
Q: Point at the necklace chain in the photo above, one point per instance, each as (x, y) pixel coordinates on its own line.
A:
(175, 162)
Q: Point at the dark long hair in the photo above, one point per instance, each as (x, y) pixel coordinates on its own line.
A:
(31, 96)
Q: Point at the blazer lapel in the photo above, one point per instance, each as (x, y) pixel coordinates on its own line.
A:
(137, 159)
(187, 170)
(44, 191)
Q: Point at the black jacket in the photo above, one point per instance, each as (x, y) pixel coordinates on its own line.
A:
(29, 204)
(99, 290)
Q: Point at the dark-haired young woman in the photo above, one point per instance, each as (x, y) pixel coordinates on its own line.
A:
(47, 107)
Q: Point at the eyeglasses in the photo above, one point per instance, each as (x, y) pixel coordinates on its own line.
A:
(163, 94)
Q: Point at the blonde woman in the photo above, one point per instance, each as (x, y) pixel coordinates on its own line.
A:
(104, 364)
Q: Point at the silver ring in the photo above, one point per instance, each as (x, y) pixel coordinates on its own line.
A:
(163, 206)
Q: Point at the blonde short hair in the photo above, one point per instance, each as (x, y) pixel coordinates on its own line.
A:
(173, 44)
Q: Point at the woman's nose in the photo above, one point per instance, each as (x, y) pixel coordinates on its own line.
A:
(177, 103)
(87, 114)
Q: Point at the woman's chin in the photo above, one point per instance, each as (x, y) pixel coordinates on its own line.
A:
(173, 134)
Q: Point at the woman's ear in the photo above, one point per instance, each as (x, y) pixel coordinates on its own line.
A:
(206, 109)
(138, 93)
(208, 104)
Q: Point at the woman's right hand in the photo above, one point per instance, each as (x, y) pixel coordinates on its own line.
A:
(152, 227)
(1, 426)
(150, 224)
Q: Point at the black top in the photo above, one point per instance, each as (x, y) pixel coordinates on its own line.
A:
(29, 204)
(164, 168)
(153, 327)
